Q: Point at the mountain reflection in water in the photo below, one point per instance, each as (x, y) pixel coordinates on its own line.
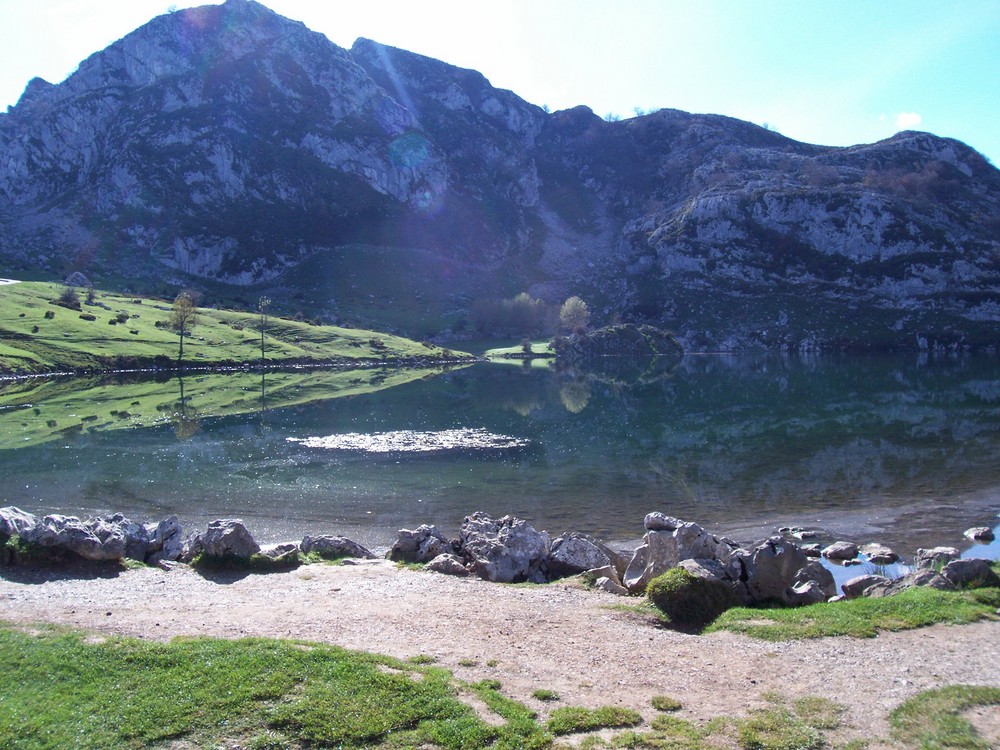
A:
(895, 448)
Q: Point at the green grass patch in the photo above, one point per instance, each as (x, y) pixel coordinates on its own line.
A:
(575, 719)
(861, 618)
(127, 332)
(545, 695)
(665, 703)
(687, 600)
(932, 720)
(124, 693)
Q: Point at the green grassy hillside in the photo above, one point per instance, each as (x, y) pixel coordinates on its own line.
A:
(116, 331)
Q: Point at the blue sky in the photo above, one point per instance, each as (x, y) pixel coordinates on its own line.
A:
(834, 73)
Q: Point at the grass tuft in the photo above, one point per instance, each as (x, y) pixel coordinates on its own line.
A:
(665, 703)
(575, 719)
(545, 695)
(932, 720)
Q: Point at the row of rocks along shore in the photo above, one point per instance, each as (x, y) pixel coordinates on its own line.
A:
(508, 549)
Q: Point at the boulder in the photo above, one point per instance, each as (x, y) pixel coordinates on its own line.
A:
(811, 550)
(166, 541)
(936, 557)
(657, 521)
(610, 586)
(420, 545)
(980, 534)
(97, 539)
(768, 570)
(662, 550)
(448, 564)
(919, 578)
(817, 573)
(856, 586)
(972, 573)
(226, 537)
(879, 554)
(807, 592)
(285, 554)
(14, 521)
(709, 570)
(841, 551)
(575, 553)
(507, 549)
(334, 547)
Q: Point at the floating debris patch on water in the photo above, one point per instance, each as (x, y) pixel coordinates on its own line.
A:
(412, 441)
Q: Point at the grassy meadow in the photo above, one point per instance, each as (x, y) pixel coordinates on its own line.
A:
(117, 331)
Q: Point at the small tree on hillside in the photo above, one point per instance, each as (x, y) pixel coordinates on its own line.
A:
(262, 304)
(574, 316)
(183, 318)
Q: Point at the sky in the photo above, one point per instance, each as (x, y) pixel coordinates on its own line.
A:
(832, 72)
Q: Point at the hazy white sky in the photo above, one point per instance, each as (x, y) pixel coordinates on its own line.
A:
(835, 72)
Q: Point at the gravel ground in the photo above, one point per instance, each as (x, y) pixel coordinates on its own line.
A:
(558, 637)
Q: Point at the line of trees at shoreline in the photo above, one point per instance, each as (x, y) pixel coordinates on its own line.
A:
(524, 315)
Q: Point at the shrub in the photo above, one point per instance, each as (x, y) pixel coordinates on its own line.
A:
(50, 314)
(689, 601)
(88, 316)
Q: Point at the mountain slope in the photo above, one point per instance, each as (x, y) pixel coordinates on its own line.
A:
(229, 147)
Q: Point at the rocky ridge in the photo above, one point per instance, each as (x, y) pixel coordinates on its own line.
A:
(229, 144)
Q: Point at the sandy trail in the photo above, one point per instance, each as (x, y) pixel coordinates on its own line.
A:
(558, 637)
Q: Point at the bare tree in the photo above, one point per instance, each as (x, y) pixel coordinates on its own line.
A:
(182, 319)
(262, 304)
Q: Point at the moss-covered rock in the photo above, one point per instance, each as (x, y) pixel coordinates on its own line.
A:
(689, 601)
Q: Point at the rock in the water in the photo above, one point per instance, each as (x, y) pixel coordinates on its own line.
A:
(14, 521)
(936, 557)
(575, 553)
(841, 551)
(226, 537)
(879, 554)
(926, 578)
(420, 545)
(974, 572)
(980, 534)
(507, 549)
(448, 564)
(334, 547)
(856, 586)
(811, 550)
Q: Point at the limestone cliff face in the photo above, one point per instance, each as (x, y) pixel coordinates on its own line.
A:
(227, 143)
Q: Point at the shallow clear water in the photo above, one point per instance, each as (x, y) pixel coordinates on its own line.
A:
(897, 449)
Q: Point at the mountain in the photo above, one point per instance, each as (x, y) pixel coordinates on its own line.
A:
(230, 148)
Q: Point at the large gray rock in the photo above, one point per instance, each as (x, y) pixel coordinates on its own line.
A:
(334, 547)
(97, 539)
(448, 564)
(166, 541)
(972, 573)
(936, 557)
(657, 521)
(662, 550)
(507, 549)
(227, 537)
(807, 592)
(856, 586)
(814, 571)
(768, 570)
(14, 521)
(927, 578)
(420, 545)
(576, 553)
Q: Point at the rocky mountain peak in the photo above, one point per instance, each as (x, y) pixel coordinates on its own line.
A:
(229, 144)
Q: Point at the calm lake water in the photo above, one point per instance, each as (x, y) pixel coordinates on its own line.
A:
(899, 449)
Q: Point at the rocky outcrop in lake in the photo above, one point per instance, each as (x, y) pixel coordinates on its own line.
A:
(227, 144)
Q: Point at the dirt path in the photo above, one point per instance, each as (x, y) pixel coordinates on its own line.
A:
(558, 637)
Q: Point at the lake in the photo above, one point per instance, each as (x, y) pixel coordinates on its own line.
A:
(900, 449)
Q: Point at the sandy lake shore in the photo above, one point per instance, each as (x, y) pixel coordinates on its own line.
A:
(559, 637)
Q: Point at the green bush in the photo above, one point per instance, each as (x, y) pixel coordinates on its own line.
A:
(689, 601)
